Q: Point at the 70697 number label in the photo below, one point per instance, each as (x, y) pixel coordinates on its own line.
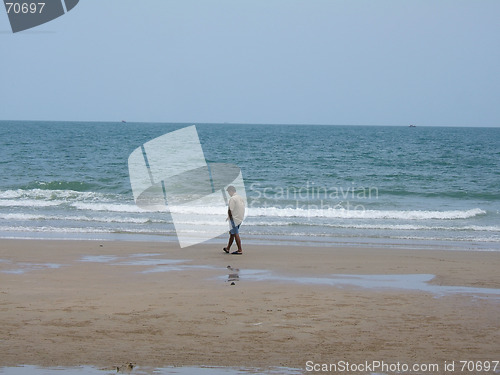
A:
(479, 366)
(25, 8)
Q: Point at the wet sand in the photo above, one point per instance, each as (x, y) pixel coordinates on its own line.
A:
(67, 303)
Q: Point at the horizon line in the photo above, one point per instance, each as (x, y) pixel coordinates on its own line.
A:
(252, 123)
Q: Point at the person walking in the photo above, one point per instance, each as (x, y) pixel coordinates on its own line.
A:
(235, 215)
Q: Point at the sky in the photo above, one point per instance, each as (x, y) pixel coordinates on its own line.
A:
(339, 62)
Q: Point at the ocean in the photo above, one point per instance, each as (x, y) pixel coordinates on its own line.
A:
(380, 186)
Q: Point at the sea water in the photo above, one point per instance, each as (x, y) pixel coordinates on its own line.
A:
(305, 184)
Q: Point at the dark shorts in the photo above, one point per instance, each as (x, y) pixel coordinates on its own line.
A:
(235, 229)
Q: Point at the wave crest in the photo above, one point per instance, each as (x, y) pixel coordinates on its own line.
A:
(366, 214)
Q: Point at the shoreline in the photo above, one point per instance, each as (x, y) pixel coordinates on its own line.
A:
(154, 304)
(278, 241)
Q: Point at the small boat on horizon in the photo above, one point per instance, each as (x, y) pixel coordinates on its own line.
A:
(413, 126)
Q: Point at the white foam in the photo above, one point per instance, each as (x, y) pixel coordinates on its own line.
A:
(110, 207)
(21, 217)
(365, 214)
(50, 229)
(130, 220)
(108, 219)
(132, 208)
(28, 203)
(199, 210)
(40, 194)
(408, 227)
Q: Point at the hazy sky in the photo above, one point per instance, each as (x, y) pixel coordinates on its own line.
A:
(428, 62)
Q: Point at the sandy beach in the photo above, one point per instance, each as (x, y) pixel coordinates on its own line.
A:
(67, 303)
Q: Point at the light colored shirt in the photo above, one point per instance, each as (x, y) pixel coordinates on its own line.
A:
(237, 207)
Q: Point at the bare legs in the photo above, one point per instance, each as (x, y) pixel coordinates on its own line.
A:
(233, 237)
